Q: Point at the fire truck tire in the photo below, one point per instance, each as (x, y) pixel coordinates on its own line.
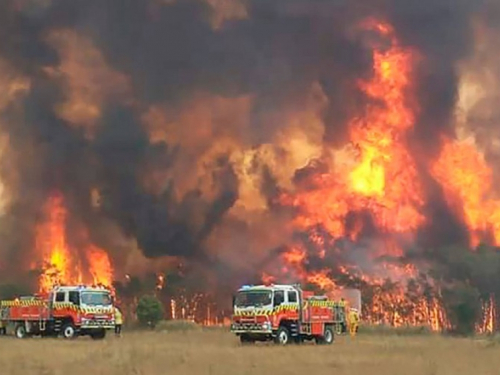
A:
(283, 336)
(69, 331)
(20, 331)
(327, 338)
(329, 335)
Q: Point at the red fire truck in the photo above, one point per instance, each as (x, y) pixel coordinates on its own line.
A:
(67, 311)
(285, 314)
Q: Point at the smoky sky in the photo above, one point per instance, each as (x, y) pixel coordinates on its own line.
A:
(171, 51)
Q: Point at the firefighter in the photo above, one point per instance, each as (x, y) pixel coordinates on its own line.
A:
(3, 329)
(344, 326)
(118, 321)
(353, 321)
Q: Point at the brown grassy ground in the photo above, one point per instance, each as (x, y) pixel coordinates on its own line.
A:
(218, 352)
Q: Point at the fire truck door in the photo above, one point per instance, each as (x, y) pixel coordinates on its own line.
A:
(58, 297)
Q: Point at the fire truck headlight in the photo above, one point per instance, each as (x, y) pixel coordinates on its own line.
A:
(266, 326)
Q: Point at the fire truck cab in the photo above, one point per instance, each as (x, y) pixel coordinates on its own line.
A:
(68, 311)
(284, 314)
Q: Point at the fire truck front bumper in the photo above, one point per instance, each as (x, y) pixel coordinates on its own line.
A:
(97, 324)
(251, 327)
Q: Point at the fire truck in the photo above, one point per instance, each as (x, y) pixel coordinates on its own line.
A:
(67, 311)
(284, 314)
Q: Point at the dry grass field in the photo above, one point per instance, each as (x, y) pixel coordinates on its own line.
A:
(218, 352)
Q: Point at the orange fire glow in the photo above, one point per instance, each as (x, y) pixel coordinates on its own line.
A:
(61, 263)
(160, 282)
(467, 182)
(99, 266)
(383, 181)
(489, 314)
(322, 280)
(380, 181)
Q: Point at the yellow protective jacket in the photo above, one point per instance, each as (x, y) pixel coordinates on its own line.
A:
(353, 317)
(118, 317)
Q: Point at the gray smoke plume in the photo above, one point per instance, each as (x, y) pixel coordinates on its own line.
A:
(169, 52)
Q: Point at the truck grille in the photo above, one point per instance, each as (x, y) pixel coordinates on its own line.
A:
(249, 327)
(98, 323)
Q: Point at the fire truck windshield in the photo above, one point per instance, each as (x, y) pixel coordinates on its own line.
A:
(253, 298)
(96, 298)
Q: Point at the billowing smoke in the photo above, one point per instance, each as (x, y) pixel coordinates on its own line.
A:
(189, 120)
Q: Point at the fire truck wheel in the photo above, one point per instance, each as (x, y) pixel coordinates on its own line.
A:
(327, 338)
(69, 331)
(282, 336)
(20, 331)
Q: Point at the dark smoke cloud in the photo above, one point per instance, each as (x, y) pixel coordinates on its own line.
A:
(442, 32)
(160, 224)
(169, 53)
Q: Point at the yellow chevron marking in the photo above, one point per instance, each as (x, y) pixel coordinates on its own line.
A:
(65, 306)
(96, 310)
(56, 306)
(265, 312)
(322, 303)
(22, 303)
(289, 307)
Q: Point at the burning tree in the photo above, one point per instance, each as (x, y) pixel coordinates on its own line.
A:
(329, 143)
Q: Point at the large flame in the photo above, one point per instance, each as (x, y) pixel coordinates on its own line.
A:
(382, 182)
(99, 266)
(467, 182)
(384, 179)
(62, 264)
(351, 218)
